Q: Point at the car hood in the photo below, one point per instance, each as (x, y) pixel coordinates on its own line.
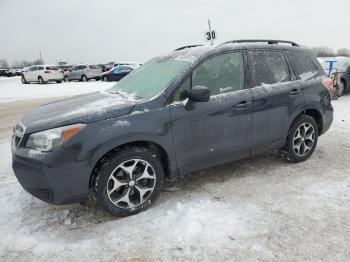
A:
(87, 108)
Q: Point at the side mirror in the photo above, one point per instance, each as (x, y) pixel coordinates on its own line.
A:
(199, 94)
(196, 94)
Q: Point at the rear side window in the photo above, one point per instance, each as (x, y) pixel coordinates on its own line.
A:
(268, 67)
(93, 67)
(302, 64)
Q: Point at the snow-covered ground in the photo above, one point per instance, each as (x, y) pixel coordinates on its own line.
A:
(11, 89)
(261, 209)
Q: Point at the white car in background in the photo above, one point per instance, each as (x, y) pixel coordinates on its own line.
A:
(42, 74)
(83, 72)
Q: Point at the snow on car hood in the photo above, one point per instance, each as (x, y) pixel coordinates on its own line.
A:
(79, 109)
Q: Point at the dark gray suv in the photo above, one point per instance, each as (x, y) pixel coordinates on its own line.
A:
(187, 110)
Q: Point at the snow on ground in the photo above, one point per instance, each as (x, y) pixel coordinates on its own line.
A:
(11, 89)
(261, 209)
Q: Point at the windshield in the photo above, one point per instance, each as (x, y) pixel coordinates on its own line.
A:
(150, 79)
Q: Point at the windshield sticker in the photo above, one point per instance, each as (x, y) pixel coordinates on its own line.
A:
(185, 58)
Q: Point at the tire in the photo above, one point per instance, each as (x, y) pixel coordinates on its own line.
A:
(66, 79)
(340, 89)
(126, 198)
(84, 78)
(59, 82)
(41, 80)
(301, 140)
(24, 81)
(105, 78)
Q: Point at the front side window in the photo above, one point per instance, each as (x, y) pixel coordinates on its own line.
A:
(302, 64)
(221, 74)
(268, 67)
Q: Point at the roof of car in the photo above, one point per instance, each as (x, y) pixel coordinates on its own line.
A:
(194, 52)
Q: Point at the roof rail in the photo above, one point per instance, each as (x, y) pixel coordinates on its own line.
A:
(270, 42)
(186, 46)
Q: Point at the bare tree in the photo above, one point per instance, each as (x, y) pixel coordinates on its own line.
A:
(343, 52)
(4, 64)
(324, 51)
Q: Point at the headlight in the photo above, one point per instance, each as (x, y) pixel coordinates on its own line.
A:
(49, 139)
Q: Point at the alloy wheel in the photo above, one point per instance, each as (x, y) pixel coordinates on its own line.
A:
(340, 89)
(131, 184)
(304, 139)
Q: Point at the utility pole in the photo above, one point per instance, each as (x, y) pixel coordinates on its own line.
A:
(40, 56)
(210, 32)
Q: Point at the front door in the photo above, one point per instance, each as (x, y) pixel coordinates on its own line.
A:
(217, 131)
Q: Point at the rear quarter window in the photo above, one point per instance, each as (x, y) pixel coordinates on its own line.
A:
(303, 66)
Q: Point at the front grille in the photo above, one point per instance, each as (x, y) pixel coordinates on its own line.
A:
(18, 133)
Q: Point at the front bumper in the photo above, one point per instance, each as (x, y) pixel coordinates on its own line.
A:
(58, 177)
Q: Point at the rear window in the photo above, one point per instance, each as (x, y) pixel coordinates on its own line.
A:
(52, 68)
(303, 66)
(268, 67)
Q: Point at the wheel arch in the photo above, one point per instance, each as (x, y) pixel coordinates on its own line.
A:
(315, 114)
(150, 145)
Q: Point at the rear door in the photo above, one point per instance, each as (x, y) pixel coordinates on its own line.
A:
(219, 130)
(276, 96)
(307, 74)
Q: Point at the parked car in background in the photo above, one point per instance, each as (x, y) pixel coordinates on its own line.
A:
(134, 65)
(336, 67)
(5, 72)
(65, 68)
(15, 72)
(42, 74)
(344, 84)
(83, 72)
(116, 73)
(191, 109)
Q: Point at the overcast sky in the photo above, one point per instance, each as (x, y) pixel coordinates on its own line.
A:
(112, 30)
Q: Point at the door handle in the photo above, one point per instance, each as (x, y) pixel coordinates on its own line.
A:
(294, 92)
(242, 105)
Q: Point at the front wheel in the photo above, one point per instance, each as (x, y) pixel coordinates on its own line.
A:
(24, 81)
(84, 78)
(302, 139)
(41, 80)
(129, 181)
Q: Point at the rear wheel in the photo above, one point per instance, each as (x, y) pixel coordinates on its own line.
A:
(302, 139)
(59, 81)
(340, 89)
(129, 181)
